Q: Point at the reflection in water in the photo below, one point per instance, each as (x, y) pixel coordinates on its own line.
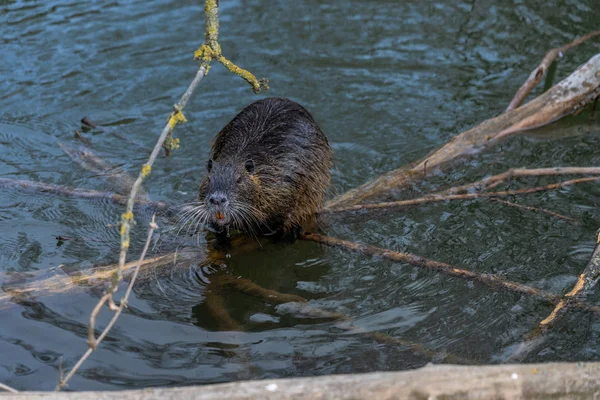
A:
(388, 82)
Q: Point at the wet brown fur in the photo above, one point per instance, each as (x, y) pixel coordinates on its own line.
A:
(291, 160)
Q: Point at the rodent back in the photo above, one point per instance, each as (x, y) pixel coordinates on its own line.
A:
(289, 155)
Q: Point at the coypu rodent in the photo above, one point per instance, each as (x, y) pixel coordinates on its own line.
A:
(268, 170)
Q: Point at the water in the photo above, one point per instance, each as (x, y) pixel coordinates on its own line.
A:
(389, 82)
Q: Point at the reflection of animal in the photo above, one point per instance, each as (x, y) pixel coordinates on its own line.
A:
(268, 170)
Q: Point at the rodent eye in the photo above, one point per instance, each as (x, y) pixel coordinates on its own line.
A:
(209, 165)
(239, 180)
(249, 165)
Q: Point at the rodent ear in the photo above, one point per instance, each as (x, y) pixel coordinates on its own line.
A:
(209, 165)
(249, 165)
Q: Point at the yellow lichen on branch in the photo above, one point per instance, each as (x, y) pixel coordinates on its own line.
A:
(257, 84)
(146, 169)
(126, 221)
(208, 51)
(175, 118)
(170, 143)
(211, 49)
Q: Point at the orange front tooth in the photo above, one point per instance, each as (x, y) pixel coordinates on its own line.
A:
(220, 215)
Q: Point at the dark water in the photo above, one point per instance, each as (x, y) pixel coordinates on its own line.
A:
(388, 81)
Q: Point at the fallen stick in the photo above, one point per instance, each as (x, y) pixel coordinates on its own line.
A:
(57, 284)
(439, 197)
(14, 286)
(75, 192)
(570, 95)
(250, 288)
(120, 180)
(79, 136)
(540, 71)
(17, 286)
(536, 209)
(217, 309)
(85, 121)
(107, 298)
(586, 280)
(8, 388)
(495, 180)
(490, 280)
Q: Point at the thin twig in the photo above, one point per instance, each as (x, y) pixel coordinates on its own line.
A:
(495, 180)
(175, 117)
(75, 192)
(434, 198)
(79, 136)
(535, 209)
(490, 280)
(85, 121)
(107, 298)
(8, 388)
(211, 49)
(586, 280)
(211, 32)
(540, 71)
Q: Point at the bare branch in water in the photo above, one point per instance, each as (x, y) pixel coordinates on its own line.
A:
(490, 280)
(536, 209)
(8, 388)
(438, 197)
(569, 96)
(540, 71)
(107, 298)
(211, 32)
(75, 192)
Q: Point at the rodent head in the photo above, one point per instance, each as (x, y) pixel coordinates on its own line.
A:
(228, 194)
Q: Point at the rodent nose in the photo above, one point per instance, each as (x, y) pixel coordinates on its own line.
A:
(217, 199)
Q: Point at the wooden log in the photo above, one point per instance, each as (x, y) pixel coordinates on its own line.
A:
(569, 96)
(509, 381)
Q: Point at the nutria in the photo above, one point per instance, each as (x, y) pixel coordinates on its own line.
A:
(268, 171)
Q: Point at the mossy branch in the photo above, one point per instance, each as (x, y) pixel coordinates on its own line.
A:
(207, 52)
(211, 49)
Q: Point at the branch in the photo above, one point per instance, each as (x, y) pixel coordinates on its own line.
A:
(250, 288)
(494, 281)
(58, 284)
(566, 97)
(211, 32)
(438, 197)
(93, 343)
(87, 123)
(88, 160)
(540, 71)
(8, 388)
(75, 192)
(213, 301)
(585, 282)
(211, 49)
(495, 180)
(536, 209)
